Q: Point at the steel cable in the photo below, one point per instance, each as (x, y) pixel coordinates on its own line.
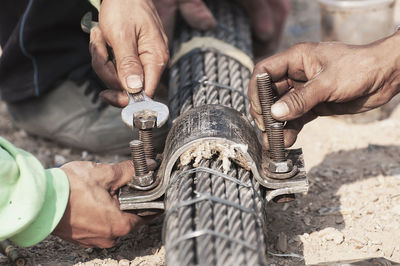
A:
(185, 221)
(205, 246)
(210, 61)
(187, 92)
(172, 255)
(235, 222)
(220, 215)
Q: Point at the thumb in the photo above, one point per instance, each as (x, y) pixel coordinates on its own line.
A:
(196, 14)
(124, 171)
(297, 102)
(129, 66)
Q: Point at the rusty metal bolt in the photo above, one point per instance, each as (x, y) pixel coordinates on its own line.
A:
(143, 177)
(279, 164)
(276, 142)
(144, 180)
(138, 158)
(145, 121)
(146, 136)
(273, 127)
(266, 98)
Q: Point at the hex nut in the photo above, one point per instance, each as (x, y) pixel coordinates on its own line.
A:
(142, 120)
(280, 167)
(144, 180)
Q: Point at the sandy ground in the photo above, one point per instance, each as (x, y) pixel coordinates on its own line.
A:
(351, 212)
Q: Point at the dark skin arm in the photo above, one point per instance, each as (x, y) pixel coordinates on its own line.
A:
(321, 79)
(92, 217)
(141, 46)
(267, 18)
(134, 31)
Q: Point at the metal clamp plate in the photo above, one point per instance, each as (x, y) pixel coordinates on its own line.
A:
(225, 126)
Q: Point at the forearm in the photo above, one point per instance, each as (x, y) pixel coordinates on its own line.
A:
(396, 53)
(388, 51)
(32, 199)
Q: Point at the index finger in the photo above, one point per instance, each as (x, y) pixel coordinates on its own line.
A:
(103, 67)
(154, 61)
(153, 53)
(282, 68)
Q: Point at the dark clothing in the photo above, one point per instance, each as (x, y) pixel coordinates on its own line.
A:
(42, 44)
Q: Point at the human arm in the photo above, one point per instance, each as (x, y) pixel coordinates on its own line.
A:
(141, 46)
(267, 18)
(32, 200)
(92, 217)
(76, 202)
(315, 79)
(133, 29)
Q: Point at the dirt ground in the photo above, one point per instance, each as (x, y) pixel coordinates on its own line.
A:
(351, 212)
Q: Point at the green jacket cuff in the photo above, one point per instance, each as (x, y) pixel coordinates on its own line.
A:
(53, 208)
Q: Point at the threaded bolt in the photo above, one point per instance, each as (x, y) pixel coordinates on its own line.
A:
(273, 127)
(138, 158)
(145, 121)
(146, 136)
(276, 142)
(266, 98)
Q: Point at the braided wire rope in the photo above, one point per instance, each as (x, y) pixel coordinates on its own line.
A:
(213, 218)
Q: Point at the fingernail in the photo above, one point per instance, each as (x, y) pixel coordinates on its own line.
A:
(134, 82)
(280, 109)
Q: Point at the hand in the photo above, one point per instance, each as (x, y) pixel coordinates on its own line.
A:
(195, 13)
(133, 29)
(328, 79)
(267, 18)
(92, 217)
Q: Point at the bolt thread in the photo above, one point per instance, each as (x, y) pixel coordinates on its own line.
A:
(266, 98)
(146, 136)
(138, 157)
(273, 127)
(276, 142)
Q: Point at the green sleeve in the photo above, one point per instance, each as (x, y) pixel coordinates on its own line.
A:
(96, 4)
(32, 199)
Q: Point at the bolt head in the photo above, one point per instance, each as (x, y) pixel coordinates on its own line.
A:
(280, 167)
(145, 119)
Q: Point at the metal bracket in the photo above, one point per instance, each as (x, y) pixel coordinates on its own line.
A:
(228, 128)
(296, 184)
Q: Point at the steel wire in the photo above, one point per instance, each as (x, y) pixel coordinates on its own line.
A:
(205, 247)
(207, 216)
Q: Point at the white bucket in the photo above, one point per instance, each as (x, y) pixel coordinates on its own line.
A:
(356, 21)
